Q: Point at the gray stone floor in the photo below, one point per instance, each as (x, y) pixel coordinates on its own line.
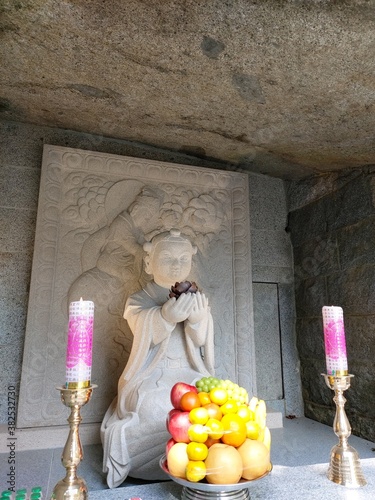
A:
(300, 455)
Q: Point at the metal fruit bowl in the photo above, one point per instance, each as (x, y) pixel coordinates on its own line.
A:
(205, 486)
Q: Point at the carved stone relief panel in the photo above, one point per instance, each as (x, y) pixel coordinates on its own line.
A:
(95, 212)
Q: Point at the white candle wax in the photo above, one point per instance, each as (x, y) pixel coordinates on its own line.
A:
(334, 340)
(79, 348)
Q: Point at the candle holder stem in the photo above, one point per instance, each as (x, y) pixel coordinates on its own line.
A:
(344, 467)
(72, 487)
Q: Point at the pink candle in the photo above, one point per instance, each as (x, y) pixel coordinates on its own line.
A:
(334, 340)
(79, 349)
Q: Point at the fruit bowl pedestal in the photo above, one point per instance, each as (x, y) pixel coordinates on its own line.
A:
(207, 491)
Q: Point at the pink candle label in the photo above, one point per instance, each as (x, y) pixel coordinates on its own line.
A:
(80, 335)
(334, 340)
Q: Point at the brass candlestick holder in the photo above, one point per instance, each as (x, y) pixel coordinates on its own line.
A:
(73, 487)
(344, 467)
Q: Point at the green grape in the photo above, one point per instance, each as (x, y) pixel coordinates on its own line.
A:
(237, 397)
(235, 391)
(203, 385)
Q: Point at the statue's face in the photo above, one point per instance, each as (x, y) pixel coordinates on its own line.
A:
(170, 262)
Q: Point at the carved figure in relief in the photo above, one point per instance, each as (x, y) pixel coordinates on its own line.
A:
(173, 341)
(117, 252)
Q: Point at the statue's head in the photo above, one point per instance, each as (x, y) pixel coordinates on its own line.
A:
(145, 208)
(168, 257)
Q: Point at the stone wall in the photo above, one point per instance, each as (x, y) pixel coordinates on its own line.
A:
(21, 149)
(332, 224)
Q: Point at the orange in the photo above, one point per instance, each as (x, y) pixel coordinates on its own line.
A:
(196, 451)
(195, 470)
(198, 415)
(234, 429)
(218, 395)
(204, 398)
(210, 441)
(189, 401)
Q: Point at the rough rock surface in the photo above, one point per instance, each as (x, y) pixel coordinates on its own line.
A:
(283, 88)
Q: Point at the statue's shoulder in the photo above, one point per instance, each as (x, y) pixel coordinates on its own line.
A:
(145, 295)
(150, 295)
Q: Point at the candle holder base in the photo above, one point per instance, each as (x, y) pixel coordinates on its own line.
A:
(72, 487)
(70, 490)
(345, 467)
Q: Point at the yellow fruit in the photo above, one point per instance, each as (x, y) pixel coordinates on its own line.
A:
(199, 415)
(197, 451)
(230, 406)
(267, 438)
(255, 458)
(177, 460)
(252, 429)
(204, 398)
(218, 395)
(223, 464)
(234, 429)
(261, 434)
(245, 412)
(253, 403)
(261, 413)
(195, 470)
(198, 433)
(215, 428)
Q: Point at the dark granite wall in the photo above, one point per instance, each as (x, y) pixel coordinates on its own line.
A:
(334, 257)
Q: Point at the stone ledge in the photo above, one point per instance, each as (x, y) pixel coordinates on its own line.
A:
(274, 419)
(41, 438)
(291, 482)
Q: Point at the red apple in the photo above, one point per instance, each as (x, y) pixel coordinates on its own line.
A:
(178, 425)
(178, 390)
(169, 445)
(169, 416)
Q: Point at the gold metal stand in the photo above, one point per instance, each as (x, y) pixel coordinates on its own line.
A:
(73, 487)
(345, 467)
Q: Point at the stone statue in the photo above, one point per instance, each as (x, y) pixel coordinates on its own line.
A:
(173, 341)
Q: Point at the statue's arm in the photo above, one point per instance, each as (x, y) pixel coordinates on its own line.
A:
(143, 315)
(197, 331)
(197, 322)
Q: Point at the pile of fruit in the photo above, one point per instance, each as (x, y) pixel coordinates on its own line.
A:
(218, 434)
